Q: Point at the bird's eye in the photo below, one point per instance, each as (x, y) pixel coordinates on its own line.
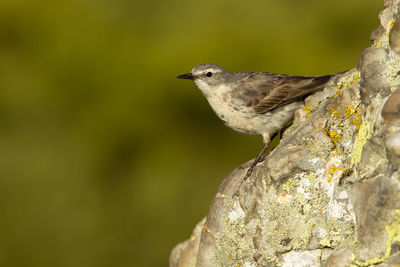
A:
(209, 74)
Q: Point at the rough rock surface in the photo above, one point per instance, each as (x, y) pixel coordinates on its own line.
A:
(329, 193)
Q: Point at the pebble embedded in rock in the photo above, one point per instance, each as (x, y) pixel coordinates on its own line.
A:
(392, 143)
(394, 38)
(391, 109)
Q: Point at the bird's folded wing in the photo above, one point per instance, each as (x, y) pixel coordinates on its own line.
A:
(286, 89)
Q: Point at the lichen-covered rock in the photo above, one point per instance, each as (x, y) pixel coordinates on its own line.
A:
(329, 193)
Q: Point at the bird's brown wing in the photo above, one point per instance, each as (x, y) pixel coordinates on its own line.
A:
(291, 88)
(265, 91)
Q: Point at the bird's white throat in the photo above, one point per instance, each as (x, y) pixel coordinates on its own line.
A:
(211, 90)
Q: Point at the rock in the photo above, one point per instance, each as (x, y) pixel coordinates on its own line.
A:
(392, 143)
(372, 67)
(394, 37)
(391, 109)
(374, 202)
(184, 254)
(329, 193)
(341, 257)
(377, 33)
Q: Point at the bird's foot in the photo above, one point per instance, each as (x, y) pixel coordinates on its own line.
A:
(251, 168)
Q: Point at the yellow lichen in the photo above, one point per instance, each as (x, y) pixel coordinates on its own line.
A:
(339, 123)
(208, 230)
(336, 113)
(340, 87)
(308, 110)
(335, 137)
(332, 171)
(349, 111)
(390, 27)
(354, 114)
(364, 133)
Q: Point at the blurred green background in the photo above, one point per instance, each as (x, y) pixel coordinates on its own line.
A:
(106, 159)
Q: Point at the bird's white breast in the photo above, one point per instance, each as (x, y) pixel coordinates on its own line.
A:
(244, 119)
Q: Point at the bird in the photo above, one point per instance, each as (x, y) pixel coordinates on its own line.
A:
(254, 103)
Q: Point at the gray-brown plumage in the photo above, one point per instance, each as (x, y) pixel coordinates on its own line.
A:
(265, 91)
(256, 103)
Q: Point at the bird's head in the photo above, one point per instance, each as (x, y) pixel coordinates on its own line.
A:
(208, 77)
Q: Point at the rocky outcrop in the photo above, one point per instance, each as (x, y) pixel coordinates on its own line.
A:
(329, 193)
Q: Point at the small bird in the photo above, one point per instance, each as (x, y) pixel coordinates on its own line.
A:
(255, 103)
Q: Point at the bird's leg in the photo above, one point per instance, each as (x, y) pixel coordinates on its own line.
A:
(267, 141)
(256, 161)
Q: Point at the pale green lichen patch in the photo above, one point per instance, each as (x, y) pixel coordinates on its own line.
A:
(337, 233)
(312, 178)
(325, 242)
(290, 185)
(227, 243)
(286, 226)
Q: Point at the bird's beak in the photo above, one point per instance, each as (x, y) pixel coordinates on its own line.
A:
(188, 76)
